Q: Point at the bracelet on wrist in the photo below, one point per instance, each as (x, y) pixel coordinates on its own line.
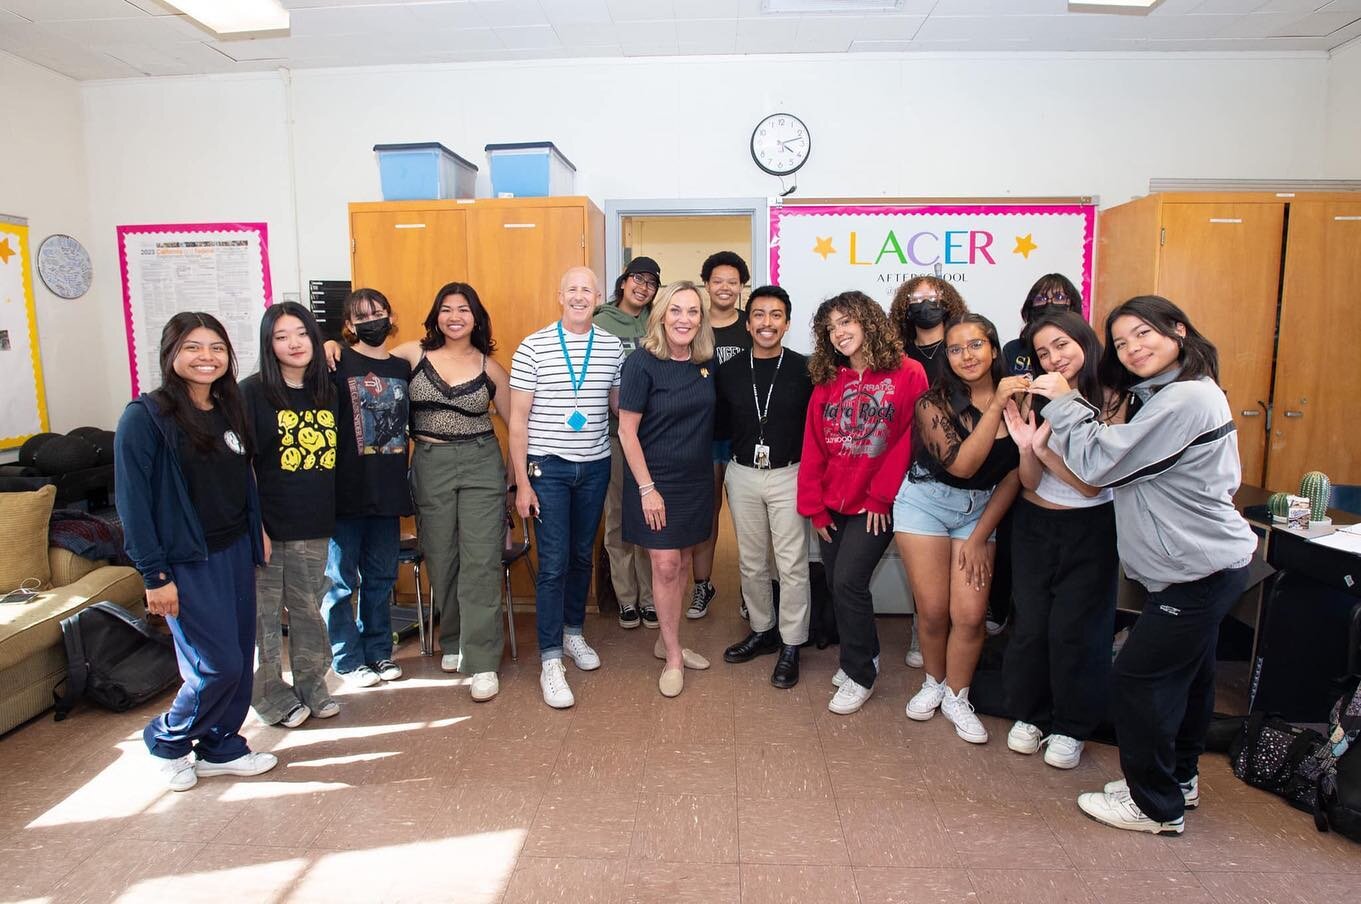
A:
(646, 486)
(647, 490)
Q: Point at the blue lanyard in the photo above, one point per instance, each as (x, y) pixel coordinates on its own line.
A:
(585, 362)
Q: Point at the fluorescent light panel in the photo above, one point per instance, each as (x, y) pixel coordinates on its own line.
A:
(230, 17)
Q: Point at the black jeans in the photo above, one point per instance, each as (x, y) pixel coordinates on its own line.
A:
(1164, 688)
(849, 562)
(1065, 572)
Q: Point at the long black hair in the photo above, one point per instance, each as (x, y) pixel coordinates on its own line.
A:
(1050, 282)
(316, 378)
(1197, 355)
(173, 396)
(481, 335)
(949, 392)
(1080, 331)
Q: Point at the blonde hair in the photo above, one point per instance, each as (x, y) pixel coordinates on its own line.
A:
(654, 340)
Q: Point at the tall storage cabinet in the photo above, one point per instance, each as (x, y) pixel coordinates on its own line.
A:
(1243, 265)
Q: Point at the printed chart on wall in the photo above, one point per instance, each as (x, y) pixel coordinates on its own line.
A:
(991, 253)
(218, 268)
(23, 406)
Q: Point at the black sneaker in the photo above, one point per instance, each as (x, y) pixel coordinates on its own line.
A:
(649, 617)
(629, 616)
(699, 602)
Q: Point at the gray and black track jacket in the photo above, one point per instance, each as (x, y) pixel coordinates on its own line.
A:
(1174, 469)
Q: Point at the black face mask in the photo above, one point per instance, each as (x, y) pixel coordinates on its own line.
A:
(373, 332)
(925, 314)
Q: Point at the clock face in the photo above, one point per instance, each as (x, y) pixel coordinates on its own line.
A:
(64, 266)
(780, 144)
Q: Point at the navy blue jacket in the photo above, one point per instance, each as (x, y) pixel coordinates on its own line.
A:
(160, 526)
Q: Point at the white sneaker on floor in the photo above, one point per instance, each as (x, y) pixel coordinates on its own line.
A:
(178, 774)
(1024, 738)
(1190, 791)
(926, 701)
(1119, 811)
(575, 646)
(553, 683)
(840, 677)
(914, 650)
(849, 697)
(958, 709)
(387, 669)
(484, 686)
(246, 764)
(296, 716)
(361, 677)
(327, 710)
(1062, 752)
(450, 662)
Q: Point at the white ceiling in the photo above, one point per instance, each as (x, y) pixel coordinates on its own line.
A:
(93, 39)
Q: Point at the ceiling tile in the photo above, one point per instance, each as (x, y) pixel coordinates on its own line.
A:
(1316, 25)
(528, 38)
(999, 7)
(587, 35)
(889, 28)
(510, 13)
(659, 32)
(826, 34)
(708, 9)
(1229, 6)
(350, 20)
(637, 10)
(55, 10)
(1340, 6)
(461, 14)
(719, 32)
(445, 40)
(136, 30)
(867, 46)
(576, 12)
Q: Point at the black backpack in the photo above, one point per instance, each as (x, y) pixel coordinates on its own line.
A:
(113, 658)
(1334, 769)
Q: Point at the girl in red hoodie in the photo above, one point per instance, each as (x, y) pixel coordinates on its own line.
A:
(855, 452)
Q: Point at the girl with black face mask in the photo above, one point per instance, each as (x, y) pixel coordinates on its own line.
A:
(920, 308)
(1051, 292)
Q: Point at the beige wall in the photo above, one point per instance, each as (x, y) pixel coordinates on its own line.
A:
(1344, 112)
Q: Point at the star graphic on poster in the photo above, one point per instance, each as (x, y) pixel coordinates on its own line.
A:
(824, 247)
(1024, 245)
(6, 252)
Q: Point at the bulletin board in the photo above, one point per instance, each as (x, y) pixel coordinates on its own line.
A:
(219, 268)
(23, 403)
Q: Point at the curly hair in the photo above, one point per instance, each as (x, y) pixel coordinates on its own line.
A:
(950, 300)
(883, 348)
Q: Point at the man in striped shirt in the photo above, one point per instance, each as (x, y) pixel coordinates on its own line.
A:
(564, 381)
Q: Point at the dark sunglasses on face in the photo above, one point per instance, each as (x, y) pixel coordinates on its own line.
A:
(1058, 296)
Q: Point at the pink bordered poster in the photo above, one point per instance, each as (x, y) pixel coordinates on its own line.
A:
(991, 252)
(219, 268)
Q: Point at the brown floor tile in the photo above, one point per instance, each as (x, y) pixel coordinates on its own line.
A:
(682, 883)
(591, 764)
(287, 820)
(190, 816)
(1217, 838)
(251, 874)
(878, 885)
(546, 881)
(775, 724)
(959, 771)
(690, 769)
(791, 831)
(698, 828)
(1277, 888)
(589, 824)
(119, 871)
(1000, 835)
(1031, 886)
(1042, 780)
(895, 832)
(379, 815)
(1092, 846)
(697, 720)
(805, 884)
(472, 869)
(1145, 886)
(782, 770)
(874, 772)
(31, 866)
(522, 763)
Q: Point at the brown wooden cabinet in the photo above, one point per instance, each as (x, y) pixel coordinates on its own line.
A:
(1274, 280)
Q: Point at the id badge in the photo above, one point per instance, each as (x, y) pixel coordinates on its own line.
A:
(575, 420)
(761, 458)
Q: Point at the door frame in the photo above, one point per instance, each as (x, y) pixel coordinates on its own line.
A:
(757, 208)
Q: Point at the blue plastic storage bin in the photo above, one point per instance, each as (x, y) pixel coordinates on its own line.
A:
(529, 169)
(424, 171)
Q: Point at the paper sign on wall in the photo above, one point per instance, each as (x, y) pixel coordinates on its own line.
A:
(23, 405)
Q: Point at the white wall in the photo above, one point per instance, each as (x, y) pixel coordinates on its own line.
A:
(43, 178)
(218, 148)
(1344, 112)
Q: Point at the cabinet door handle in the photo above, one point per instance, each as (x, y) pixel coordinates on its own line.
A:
(1250, 412)
(408, 226)
(1290, 413)
(1226, 219)
(519, 225)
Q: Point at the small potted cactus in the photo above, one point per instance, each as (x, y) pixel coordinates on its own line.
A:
(1316, 487)
(1279, 506)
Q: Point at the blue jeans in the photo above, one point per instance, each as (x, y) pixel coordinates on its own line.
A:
(361, 560)
(571, 497)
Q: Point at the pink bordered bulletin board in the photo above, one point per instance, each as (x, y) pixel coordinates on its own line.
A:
(992, 253)
(218, 268)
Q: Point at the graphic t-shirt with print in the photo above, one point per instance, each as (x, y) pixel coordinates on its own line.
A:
(371, 424)
(295, 462)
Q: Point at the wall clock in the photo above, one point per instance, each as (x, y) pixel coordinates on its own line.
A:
(64, 266)
(780, 144)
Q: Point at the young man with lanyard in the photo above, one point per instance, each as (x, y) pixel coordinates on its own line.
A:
(564, 381)
(724, 275)
(764, 394)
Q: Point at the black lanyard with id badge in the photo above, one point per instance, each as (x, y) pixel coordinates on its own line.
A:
(761, 452)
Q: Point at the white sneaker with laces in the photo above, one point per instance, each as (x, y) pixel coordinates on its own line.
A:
(327, 710)
(450, 662)
(1024, 738)
(246, 764)
(926, 701)
(553, 683)
(1062, 752)
(1190, 791)
(296, 716)
(1118, 810)
(849, 697)
(361, 677)
(575, 646)
(914, 650)
(484, 686)
(958, 709)
(840, 677)
(178, 774)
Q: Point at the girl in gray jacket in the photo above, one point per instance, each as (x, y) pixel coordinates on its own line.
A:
(1173, 468)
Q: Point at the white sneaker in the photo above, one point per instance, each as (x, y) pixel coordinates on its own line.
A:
(575, 646)
(361, 677)
(1024, 738)
(1062, 752)
(1190, 791)
(926, 701)
(958, 709)
(178, 774)
(553, 682)
(1118, 810)
(450, 662)
(993, 628)
(914, 650)
(327, 710)
(849, 697)
(246, 764)
(296, 716)
(840, 677)
(484, 686)
(387, 669)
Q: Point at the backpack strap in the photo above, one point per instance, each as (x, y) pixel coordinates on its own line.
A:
(137, 624)
(77, 670)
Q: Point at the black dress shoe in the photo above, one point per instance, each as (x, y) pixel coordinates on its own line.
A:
(786, 672)
(757, 643)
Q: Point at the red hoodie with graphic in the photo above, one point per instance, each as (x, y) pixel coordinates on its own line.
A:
(858, 441)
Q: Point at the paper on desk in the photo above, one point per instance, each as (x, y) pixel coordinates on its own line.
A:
(1351, 528)
(1343, 540)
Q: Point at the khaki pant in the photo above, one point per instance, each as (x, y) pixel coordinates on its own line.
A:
(765, 518)
(630, 568)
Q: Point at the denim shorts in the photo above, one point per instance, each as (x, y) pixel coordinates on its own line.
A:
(722, 450)
(934, 509)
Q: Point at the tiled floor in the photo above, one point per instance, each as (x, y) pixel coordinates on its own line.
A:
(734, 791)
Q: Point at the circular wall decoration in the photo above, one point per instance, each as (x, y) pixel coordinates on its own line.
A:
(64, 266)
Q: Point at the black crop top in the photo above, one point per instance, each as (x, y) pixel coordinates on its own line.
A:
(936, 438)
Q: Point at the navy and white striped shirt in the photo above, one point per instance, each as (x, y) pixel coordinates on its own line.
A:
(538, 367)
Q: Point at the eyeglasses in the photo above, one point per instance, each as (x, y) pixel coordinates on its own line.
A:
(643, 279)
(922, 299)
(1058, 296)
(973, 345)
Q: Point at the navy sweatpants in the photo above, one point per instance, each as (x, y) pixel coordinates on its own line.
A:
(215, 646)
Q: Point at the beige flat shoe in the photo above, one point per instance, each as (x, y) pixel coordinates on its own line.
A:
(691, 659)
(672, 682)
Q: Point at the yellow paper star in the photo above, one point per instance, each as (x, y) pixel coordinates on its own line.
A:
(5, 251)
(824, 247)
(1024, 246)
